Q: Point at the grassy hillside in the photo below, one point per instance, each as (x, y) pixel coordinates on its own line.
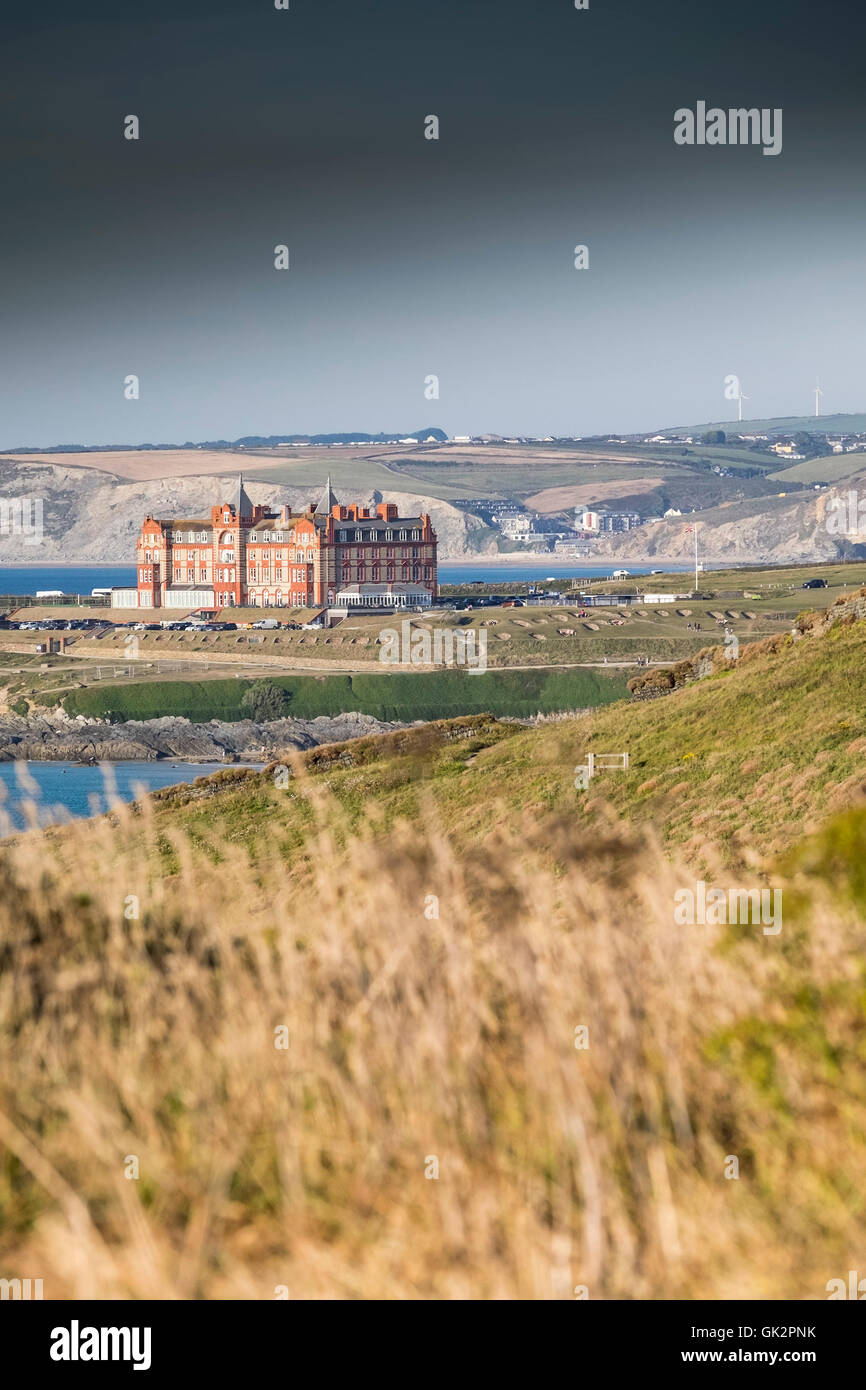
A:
(737, 764)
(829, 468)
(781, 424)
(400, 697)
(417, 1020)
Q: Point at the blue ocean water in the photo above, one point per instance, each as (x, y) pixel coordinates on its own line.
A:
(72, 579)
(501, 574)
(63, 791)
(80, 579)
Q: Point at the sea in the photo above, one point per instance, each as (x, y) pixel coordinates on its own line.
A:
(72, 579)
(502, 573)
(49, 793)
(80, 579)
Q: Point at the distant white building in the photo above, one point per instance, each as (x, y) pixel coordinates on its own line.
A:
(516, 528)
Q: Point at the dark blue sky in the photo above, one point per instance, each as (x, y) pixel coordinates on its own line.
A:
(412, 257)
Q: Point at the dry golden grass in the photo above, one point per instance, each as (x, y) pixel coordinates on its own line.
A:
(143, 465)
(412, 1036)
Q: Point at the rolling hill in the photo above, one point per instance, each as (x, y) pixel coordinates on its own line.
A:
(412, 1017)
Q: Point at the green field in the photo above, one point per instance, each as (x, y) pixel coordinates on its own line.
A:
(782, 424)
(827, 469)
(398, 697)
(448, 471)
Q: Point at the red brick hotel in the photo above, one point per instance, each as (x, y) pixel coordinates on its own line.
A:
(246, 555)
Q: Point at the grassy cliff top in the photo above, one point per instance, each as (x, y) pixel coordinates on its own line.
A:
(412, 1017)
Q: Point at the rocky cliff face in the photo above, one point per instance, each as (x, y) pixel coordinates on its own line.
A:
(56, 737)
(93, 517)
(773, 530)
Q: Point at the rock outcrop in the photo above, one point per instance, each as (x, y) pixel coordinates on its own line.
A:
(57, 737)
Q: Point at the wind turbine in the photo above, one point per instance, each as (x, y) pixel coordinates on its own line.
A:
(740, 399)
(818, 392)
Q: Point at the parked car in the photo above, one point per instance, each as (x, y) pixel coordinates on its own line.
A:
(815, 584)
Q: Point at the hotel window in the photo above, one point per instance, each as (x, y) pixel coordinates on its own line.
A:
(190, 576)
(414, 552)
(147, 555)
(310, 556)
(402, 535)
(202, 576)
(177, 572)
(389, 535)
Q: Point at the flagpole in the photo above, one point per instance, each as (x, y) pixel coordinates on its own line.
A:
(696, 559)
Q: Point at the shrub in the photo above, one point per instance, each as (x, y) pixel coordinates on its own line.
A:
(265, 700)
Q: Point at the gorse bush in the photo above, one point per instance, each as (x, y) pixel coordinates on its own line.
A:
(265, 700)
